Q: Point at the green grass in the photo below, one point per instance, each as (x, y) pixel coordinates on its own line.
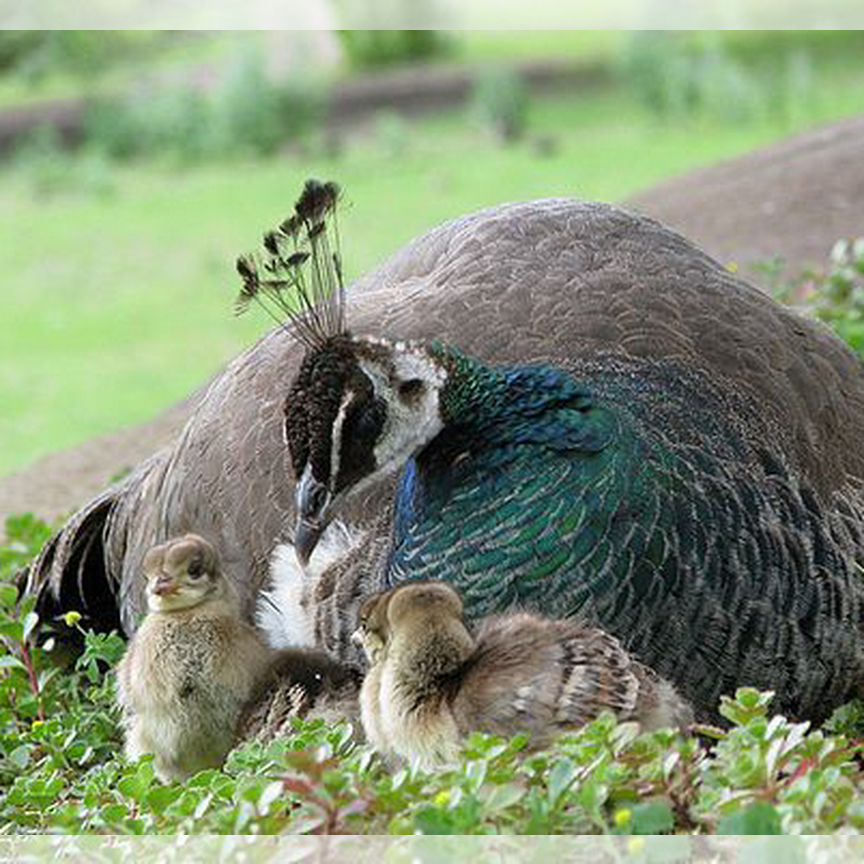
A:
(508, 46)
(118, 303)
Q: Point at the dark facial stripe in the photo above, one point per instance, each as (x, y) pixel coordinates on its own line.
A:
(360, 432)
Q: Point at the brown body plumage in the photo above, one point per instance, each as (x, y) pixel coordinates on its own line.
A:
(590, 290)
(303, 684)
(432, 681)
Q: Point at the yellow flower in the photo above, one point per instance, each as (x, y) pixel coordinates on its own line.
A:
(623, 817)
(36, 724)
(732, 266)
(442, 799)
(72, 618)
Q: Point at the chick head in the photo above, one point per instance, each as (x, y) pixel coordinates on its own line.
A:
(182, 574)
(403, 609)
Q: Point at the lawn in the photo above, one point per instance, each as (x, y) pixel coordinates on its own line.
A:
(117, 289)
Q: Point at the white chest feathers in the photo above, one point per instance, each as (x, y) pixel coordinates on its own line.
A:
(285, 613)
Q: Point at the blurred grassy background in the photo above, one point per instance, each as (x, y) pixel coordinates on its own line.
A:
(118, 251)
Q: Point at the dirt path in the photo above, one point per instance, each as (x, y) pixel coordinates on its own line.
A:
(793, 199)
(56, 484)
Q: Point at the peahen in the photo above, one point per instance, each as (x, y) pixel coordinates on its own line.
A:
(591, 416)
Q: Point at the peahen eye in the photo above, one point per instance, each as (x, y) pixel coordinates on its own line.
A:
(368, 422)
(410, 389)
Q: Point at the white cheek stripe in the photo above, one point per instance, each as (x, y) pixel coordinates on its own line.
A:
(336, 438)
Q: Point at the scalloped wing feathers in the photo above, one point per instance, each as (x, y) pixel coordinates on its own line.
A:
(533, 674)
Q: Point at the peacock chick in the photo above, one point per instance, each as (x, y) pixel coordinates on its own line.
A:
(193, 664)
(431, 681)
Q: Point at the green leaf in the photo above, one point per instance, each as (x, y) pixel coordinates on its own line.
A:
(28, 625)
(9, 661)
(272, 792)
(502, 797)
(758, 818)
(431, 820)
(202, 805)
(20, 756)
(475, 774)
(11, 630)
(114, 813)
(136, 785)
(8, 595)
(161, 797)
(560, 777)
(747, 705)
(653, 817)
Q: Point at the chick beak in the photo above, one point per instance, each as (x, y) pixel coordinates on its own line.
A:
(357, 638)
(165, 586)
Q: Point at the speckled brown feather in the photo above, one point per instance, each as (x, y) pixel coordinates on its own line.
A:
(532, 674)
(301, 685)
(432, 682)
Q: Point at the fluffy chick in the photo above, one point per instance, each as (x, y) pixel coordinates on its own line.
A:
(431, 682)
(193, 664)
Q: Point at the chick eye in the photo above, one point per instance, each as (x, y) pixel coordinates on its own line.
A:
(195, 569)
(410, 389)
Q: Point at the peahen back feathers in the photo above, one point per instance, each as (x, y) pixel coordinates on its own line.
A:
(722, 539)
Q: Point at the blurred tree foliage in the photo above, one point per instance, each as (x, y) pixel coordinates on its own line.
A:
(246, 113)
(374, 48)
(735, 77)
(82, 53)
(15, 45)
(500, 100)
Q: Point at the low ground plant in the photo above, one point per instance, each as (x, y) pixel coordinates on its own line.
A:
(61, 768)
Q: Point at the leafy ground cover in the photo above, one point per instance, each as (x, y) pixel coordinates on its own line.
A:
(60, 768)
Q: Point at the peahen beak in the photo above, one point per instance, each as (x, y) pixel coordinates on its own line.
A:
(306, 536)
(313, 499)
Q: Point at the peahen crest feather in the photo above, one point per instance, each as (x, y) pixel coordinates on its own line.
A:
(298, 279)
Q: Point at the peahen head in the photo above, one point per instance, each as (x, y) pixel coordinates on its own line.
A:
(359, 408)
